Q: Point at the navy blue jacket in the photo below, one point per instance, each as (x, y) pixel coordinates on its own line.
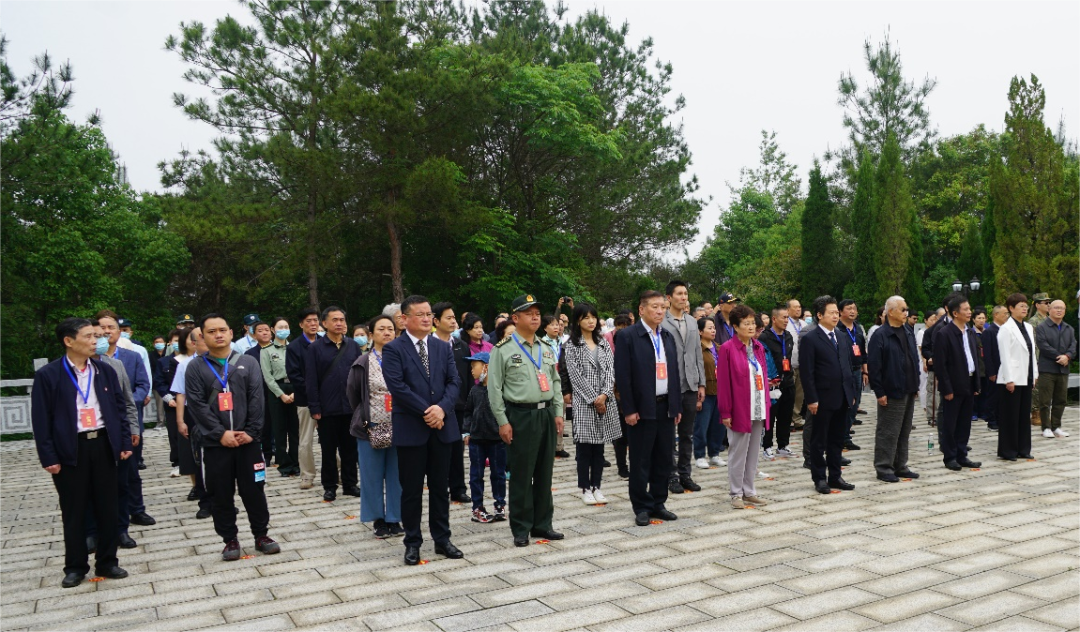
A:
(893, 362)
(163, 376)
(991, 355)
(294, 368)
(140, 381)
(950, 363)
(413, 391)
(326, 389)
(635, 373)
(825, 370)
(55, 417)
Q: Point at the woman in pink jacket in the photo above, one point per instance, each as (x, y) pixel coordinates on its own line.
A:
(742, 394)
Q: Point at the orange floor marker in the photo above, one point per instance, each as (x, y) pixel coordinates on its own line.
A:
(975, 469)
(422, 562)
(834, 491)
(350, 517)
(906, 480)
(246, 557)
(97, 579)
(656, 522)
(543, 541)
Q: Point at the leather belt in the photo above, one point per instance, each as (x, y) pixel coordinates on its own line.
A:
(536, 406)
(93, 434)
(661, 398)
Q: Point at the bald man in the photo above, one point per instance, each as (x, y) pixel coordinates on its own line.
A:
(1056, 342)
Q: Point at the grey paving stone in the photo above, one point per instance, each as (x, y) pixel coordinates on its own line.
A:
(414, 614)
(667, 619)
(1046, 565)
(981, 584)
(923, 623)
(492, 616)
(571, 619)
(757, 619)
(323, 615)
(905, 606)
(665, 598)
(822, 582)
(1018, 623)
(906, 581)
(846, 621)
(971, 564)
(732, 603)
(991, 608)
(1062, 613)
(820, 604)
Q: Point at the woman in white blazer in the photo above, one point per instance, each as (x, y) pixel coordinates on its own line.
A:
(1015, 377)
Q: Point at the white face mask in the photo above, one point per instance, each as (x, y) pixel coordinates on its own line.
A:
(483, 376)
(809, 320)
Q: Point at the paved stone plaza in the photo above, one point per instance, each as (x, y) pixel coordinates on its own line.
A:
(994, 549)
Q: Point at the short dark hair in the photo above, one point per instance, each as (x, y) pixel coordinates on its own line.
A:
(70, 327)
(955, 304)
(440, 307)
(329, 310)
(623, 320)
(277, 319)
(582, 310)
(374, 321)
(184, 333)
(787, 303)
(673, 285)
(978, 310)
(468, 323)
(844, 303)
(304, 313)
(949, 299)
(174, 332)
(623, 312)
(1015, 299)
(409, 301)
(500, 329)
(820, 303)
(781, 307)
(206, 317)
(739, 313)
(546, 319)
(701, 322)
(107, 313)
(648, 296)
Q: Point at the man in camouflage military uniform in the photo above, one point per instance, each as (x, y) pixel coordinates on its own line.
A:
(1041, 307)
(526, 397)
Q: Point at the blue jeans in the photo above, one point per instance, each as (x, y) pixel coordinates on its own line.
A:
(495, 453)
(378, 473)
(708, 431)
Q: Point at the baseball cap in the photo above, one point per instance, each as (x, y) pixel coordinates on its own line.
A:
(251, 319)
(482, 356)
(124, 322)
(728, 297)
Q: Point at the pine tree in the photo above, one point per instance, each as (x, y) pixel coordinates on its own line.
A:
(894, 225)
(818, 239)
(862, 287)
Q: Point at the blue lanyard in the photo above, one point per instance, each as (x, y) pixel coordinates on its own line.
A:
(656, 343)
(753, 361)
(730, 330)
(378, 357)
(527, 352)
(715, 354)
(224, 381)
(783, 344)
(851, 334)
(75, 381)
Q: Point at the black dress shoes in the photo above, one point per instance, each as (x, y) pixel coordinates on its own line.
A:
(642, 519)
(447, 549)
(112, 573)
(193, 494)
(851, 446)
(461, 498)
(126, 542)
(72, 580)
(1024, 456)
(202, 514)
(908, 474)
(663, 514)
(1007, 458)
(351, 491)
(966, 462)
(550, 534)
(675, 487)
(806, 463)
(142, 519)
(91, 542)
(840, 483)
(821, 487)
(521, 540)
(953, 465)
(412, 555)
(889, 478)
(689, 484)
(329, 495)
(844, 462)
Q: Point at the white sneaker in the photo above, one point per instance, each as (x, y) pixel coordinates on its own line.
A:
(763, 474)
(1048, 433)
(784, 452)
(175, 473)
(769, 454)
(588, 498)
(1060, 433)
(702, 464)
(717, 461)
(598, 497)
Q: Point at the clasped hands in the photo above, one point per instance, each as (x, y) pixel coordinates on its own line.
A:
(434, 416)
(235, 438)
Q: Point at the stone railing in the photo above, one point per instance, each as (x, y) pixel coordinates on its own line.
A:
(15, 410)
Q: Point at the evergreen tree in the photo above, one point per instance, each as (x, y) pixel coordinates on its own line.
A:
(863, 285)
(894, 225)
(818, 239)
(971, 261)
(1035, 216)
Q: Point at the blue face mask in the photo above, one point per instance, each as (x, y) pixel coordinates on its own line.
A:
(456, 334)
(809, 320)
(361, 340)
(102, 346)
(126, 335)
(322, 333)
(159, 346)
(282, 334)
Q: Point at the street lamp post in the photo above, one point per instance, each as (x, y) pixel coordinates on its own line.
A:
(971, 286)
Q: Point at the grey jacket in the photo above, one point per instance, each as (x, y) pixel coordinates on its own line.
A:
(1052, 341)
(688, 348)
(125, 385)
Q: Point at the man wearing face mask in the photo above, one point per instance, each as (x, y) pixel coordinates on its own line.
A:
(248, 341)
(140, 384)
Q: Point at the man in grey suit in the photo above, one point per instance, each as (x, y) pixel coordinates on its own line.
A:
(683, 328)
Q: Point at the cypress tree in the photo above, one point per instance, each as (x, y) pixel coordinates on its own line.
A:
(818, 239)
(895, 227)
(864, 282)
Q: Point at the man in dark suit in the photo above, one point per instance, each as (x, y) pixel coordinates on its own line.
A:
(957, 366)
(81, 431)
(648, 382)
(992, 361)
(829, 391)
(445, 325)
(424, 383)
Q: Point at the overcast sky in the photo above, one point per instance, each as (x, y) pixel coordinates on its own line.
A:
(742, 66)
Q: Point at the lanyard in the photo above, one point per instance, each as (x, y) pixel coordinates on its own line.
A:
(224, 381)
(75, 381)
(558, 349)
(378, 357)
(850, 333)
(753, 361)
(656, 343)
(715, 354)
(527, 353)
(730, 330)
(783, 344)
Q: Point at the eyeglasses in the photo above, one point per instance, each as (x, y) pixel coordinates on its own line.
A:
(424, 315)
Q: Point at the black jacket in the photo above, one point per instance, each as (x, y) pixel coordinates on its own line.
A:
(201, 380)
(163, 377)
(479, 420)
(950, 363)
(461, 351)
(991, 358)
(928, 338)
(825, 370)
(635, 373)
(893, 362)
(780, 347)
(325, 379)
(294, 368)
(860, 340)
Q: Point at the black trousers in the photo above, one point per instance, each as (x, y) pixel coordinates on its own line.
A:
(334, 438)
(621, 444)
(174, 435)
(268, 429)
(590, 464)
(780, 419)
(990, 404)
(954, 426)
(92, 477)
(681, 470)
(285, 425)
(827, 442)
(225, 470)
(1013, 418)
(430, 460)
(457, 468)
(650, 461)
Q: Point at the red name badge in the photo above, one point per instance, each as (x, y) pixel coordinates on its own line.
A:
(855, 350)
(758, 383)
(388, 402)
(661, 370)
(87, 418)
(787, 365)
(224, 402)
(544, 386)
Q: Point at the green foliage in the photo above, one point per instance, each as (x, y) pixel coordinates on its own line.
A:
(864, 283)
(891, 221)
(818, 241)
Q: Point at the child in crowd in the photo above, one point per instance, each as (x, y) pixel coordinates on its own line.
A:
(486, 448)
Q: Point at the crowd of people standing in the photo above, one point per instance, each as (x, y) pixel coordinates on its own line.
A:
(397, 403)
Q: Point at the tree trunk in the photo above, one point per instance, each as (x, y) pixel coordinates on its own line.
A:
(312, 259)
(395, 260)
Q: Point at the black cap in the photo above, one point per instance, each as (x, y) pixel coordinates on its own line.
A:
(185, 318)
(123, 322)
(251, 319)
(728, 297)
(523, 302)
